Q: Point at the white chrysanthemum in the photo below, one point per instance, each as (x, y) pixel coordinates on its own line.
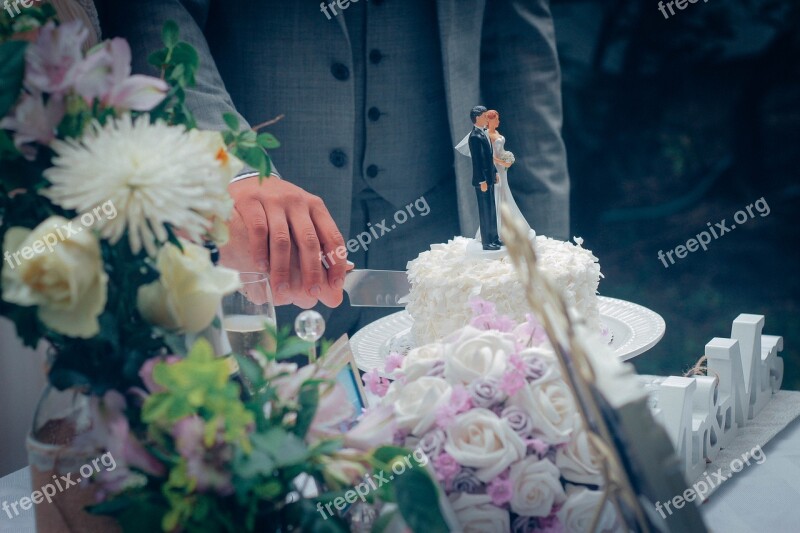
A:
(154, 174)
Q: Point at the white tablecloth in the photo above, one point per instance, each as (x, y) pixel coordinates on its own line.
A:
(762, 498)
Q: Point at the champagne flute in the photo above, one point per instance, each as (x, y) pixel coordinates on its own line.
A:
(249, 313)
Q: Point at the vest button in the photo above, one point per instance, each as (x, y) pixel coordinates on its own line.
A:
(374, 114)
(375, 56)
(340, 71)
(372, 171)
(338, 158)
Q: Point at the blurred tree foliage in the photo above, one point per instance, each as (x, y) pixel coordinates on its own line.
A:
(694, 96)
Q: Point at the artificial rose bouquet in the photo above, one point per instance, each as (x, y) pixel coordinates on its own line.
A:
(489, 407)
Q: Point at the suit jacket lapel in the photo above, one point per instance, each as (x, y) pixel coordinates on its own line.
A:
(460, 27)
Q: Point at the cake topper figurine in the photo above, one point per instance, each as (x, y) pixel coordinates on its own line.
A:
(484, 176)
(490, 164)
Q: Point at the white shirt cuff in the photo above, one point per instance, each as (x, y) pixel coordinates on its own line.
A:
(241, 177)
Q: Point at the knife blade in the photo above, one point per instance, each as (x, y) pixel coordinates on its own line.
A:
(376, 288)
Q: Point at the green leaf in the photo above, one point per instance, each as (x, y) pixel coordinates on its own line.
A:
(255, 157)
(257, 463)
(327, 447)
(292, 347)
(12, 70)
(247, 139)
(285, 448)
(417, 498)
(308, 398)
(386, 454)
(185, 54)
(250, 370)
(267, 141)
(158, 58)
(169, 34)
(231, 120)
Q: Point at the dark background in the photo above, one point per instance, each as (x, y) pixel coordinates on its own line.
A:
(672, 123)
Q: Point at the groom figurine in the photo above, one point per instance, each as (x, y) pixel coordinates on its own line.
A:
(484, 177)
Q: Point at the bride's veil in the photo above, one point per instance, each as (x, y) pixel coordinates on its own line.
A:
(463, 146)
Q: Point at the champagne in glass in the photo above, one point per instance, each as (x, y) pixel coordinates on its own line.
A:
(247, 316)
(249, 332)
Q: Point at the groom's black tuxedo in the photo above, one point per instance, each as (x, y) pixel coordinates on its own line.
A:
(483, 170)
(482, 160)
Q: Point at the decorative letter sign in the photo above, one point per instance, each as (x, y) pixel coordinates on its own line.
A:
(704, 413)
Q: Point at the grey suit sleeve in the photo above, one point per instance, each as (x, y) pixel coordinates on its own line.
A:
(140, 22)
(521, 78)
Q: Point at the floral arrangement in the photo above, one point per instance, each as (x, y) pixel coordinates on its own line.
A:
(107, 193)
(205, 460)
(489, 407)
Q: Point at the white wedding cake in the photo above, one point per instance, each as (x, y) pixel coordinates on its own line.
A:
(445, 279)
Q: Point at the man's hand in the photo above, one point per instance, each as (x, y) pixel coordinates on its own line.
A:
(497, 178)
(484, 186)
(279, 228)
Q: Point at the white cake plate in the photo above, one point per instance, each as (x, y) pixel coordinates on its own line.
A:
(635, 329)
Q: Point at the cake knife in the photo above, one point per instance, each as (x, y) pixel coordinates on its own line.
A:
(377, 288)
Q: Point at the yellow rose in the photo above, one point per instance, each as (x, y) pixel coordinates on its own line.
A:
(57, 267)
(187, 295)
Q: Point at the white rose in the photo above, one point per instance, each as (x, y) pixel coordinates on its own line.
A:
(476, 514)
(472, 354)
(546, 354)
(415, 403)
(419, 361)
(535, 487)
(188, 293)
(576, 459)
(578, 511)
(480, 439)
(66, 281)
(551, 407)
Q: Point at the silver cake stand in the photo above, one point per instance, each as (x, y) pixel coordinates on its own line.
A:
(634, 329)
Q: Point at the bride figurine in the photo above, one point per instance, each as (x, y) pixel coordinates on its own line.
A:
(503, 159)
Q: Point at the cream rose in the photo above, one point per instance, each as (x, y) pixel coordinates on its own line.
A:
(415, 403)
(419, 361)
(472, 354)
(477, 514)
(578, 511)
(66, 279)
(535, 487)
(576, 459)
(187, 295)
(552, 369)
(551, 407)
(482, 440)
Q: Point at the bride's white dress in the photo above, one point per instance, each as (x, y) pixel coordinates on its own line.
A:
(502, 192)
